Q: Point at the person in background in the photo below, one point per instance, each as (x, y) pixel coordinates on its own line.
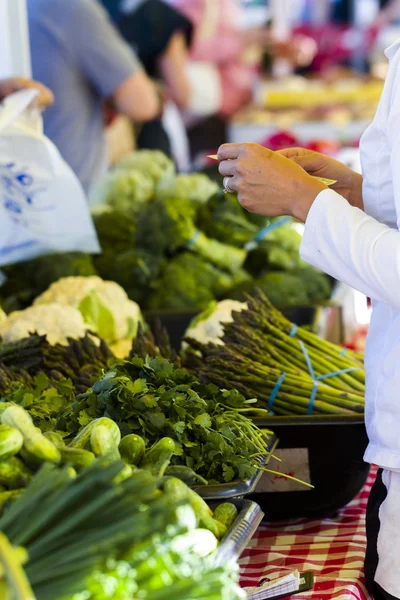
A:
(220, 40)
(44, 99)
(160, 36)
(352, 232)
(390, 11)
(77, 52)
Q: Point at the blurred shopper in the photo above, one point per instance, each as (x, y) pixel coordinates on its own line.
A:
(15, 84)
(161, 36)
(219, 72)
(389, 13)
(80, 56)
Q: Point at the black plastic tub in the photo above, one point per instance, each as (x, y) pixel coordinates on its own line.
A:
(238, 537)
(325, 451)
(177, 322)
(237, 489)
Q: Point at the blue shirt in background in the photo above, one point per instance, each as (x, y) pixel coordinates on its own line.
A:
(80, 56)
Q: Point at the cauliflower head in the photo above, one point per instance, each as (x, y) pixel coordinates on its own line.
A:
(104, 305)
(208, 326)
(53, 320)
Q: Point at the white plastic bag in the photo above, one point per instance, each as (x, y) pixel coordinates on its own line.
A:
(43, 208)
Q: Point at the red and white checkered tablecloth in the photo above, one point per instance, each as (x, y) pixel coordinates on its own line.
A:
(333, 548)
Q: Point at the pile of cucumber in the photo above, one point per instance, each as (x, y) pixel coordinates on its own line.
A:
(24, 449)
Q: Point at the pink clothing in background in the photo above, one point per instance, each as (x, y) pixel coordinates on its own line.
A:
(221, 44)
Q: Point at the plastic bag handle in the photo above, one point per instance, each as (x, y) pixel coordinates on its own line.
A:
(15, 105)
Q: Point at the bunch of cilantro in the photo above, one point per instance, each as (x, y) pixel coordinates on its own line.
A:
(155, 399)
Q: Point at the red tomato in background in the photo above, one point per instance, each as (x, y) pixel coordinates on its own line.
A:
(328, 147)
(280, 140)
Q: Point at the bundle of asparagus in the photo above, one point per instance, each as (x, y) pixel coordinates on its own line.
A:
(288, 369)
(154, 342)
(81, 360)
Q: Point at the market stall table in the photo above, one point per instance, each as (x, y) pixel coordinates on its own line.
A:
(333, 548)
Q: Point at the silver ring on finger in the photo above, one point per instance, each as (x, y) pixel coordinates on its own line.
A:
(227, 188)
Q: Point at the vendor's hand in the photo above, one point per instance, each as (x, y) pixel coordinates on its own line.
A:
(267, 183)
(9, 86)
(349, 183)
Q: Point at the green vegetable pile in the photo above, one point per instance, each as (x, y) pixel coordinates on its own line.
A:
(66, 388)
(103, 536)
(175, 242)
(153, 398)
(288, 369)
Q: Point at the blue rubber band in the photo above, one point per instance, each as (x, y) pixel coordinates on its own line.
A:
(193, 240)
(262, 234)
(276, 389)
(315, 379)
(294, 330)
(343, 352)
(308, 361)
(312, 398)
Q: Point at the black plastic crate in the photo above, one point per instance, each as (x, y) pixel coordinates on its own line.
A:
(330, 450)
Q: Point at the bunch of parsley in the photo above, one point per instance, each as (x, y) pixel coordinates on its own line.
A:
(153, 398)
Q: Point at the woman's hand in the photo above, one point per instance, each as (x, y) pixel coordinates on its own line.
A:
(267, 183)
(9, 86)
(349, 183)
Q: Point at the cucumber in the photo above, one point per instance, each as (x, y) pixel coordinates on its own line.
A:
(157, 459)
(124, 474)
(56, 438)
(34, 440)
(132, 449)
(103, 441)
(226, 513)
(82, 439)
(203, 513)
(76, 457)
(11, 441)
(14, 474)
(186, 474)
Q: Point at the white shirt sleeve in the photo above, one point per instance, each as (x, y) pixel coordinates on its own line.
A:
(353, 247)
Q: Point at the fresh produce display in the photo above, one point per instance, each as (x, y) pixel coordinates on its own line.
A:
(288, 369)
(151, 543)
(172, 242)
(66, 388)
(211, 431)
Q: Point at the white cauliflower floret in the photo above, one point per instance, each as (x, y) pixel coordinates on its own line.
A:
(53, 320)
(208, 327)
(122, 315)
(3, 315)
